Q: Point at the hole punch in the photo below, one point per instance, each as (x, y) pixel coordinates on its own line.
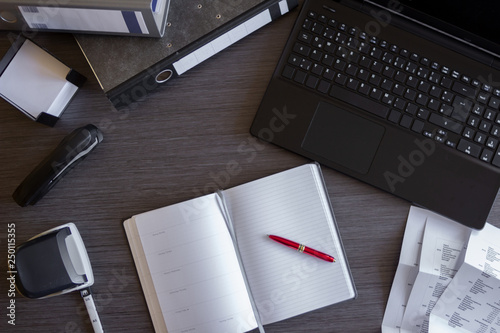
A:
(164, 76)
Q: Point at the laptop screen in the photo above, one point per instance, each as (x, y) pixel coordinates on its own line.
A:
(475, 22)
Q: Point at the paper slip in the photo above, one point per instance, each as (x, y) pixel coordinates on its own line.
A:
(471, 302)
(431, 254)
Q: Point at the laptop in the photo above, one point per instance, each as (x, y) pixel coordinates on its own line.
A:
(403, 95)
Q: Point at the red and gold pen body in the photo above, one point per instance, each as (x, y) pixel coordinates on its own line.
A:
(302, 248)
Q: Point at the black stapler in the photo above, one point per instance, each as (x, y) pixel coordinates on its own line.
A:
(71, 150)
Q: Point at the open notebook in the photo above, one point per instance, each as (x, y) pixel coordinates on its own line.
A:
(207, 264)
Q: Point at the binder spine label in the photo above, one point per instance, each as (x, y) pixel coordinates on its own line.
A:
(82, 19)
(222, 42)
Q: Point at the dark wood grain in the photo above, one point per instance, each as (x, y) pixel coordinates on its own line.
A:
(164, 150)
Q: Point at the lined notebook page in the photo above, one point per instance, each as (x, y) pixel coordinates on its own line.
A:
(194, 268)
(294, 205)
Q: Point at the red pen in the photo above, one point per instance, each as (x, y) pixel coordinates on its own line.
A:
(302, 248)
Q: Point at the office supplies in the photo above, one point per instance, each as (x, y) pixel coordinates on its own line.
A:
(471, 301)
(196, 31)
(145, 18)
(37, 83)
(378, 91)
(302, 248)
(440, 264)
(55, 262)
(68, 153)
(188, 255)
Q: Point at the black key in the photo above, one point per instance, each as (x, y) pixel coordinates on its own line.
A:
(433, 104)
(478, 109)
(496, 159)
(486, 156)
(305, 37)
(399, 104)
(447, 96)
(422, 99)
(300, 77)
(329, 74)
(423, 113)
(340, 65)
(288, 72)
(312, 81)
(406, 121)
(485, 126)
(410, 94)
(386, 84)
(398, 89)
(434, 77)
(463, 89)
(394, 116)
(446, 82)
(423, 72)
(400, 76)
(435, 92)
(494, 103)
(376, 93)
(446, 123)
(469, 148)
(341, 79)
(365, 62)
(328, 60)
(377, 67)
(352, 84)
(302, 49)
(483, 97)
(388, 99)
(375, 79)
(461, 108)
(490, 115)
(412, 81)
(469, 133)
(411, 68)
(351, 69)
(446, 109)
(418, 126)
(295, 60)
(323, 86)
(365, 90)
(316, 55)
(359, 101)
(317, 69)
(492, 143)
(317, 28)
(363, 74)
(480, 138)
(305, 64)
(411, 109)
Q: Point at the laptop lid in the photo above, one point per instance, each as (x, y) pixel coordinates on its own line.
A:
(472, 22)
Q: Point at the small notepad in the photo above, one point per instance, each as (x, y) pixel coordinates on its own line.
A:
(207, 264)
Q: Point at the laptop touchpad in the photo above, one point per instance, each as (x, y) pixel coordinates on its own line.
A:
(343, 137)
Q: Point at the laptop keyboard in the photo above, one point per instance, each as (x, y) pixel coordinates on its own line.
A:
(397, 84)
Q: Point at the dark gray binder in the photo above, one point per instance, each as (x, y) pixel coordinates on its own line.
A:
(128, 69)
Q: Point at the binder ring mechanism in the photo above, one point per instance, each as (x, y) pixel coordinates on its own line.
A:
(164, 76)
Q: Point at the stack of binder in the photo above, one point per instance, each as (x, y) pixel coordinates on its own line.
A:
(145, 18)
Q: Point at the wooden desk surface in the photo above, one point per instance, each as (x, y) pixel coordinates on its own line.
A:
(167, 149)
